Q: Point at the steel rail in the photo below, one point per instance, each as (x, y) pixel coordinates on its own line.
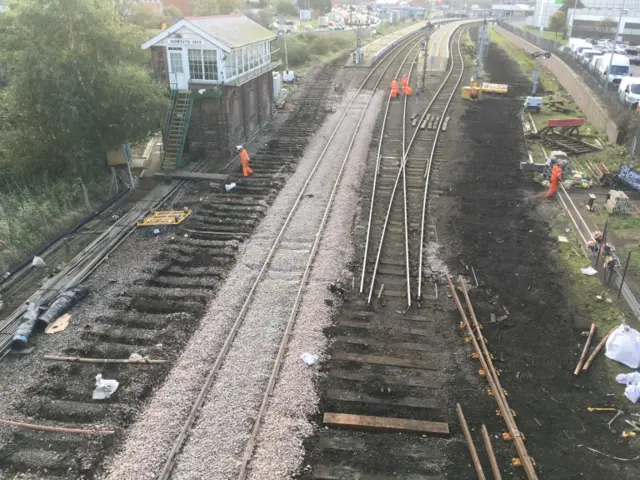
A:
(375, 181)
(182, 436)
(427, 171)
(318, 237)
(400, 170)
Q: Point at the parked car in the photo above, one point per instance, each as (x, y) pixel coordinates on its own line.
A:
(588, 54)
(339, 27)
(632, 50)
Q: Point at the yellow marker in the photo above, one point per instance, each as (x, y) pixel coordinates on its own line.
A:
(602, 409)
(626, 434)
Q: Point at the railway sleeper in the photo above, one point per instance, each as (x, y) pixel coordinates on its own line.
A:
(126, 336)
(177, 271)
(194, 282)
(45, 461)
(175, 293)
(67, 411)
(159, 305)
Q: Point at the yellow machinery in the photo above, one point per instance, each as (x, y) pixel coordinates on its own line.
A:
(477, 90)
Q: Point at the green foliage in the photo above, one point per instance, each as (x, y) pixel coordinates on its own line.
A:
(306, 48)
(285, 7)
(30, 214)
(144, 16)
(214, 7)
(172, 14)
(567, 5)
(320, 7)
(557, 22)
(77, 86)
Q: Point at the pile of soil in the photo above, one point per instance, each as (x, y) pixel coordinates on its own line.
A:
(495, 225)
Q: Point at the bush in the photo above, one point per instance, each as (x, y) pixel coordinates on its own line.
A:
(306, 48)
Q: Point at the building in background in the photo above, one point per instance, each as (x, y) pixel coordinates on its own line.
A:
(220, 72)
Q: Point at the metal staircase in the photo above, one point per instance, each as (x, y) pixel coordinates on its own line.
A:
(174, 134)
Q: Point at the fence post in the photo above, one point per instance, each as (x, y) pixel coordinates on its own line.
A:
(85, 194)
(624, 274)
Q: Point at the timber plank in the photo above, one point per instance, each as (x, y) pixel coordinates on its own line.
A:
(357, 445)
(346, 396)
(344, 472)
(382, 360)
(387, 424)
(386, 379)
(385, 326)
(379, 343)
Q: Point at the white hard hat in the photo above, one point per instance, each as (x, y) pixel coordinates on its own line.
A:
(239, 147)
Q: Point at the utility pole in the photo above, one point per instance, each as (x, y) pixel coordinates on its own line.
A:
(535, 75)
(615, 44)
(570, 29)
(482, 50)
(425, 53)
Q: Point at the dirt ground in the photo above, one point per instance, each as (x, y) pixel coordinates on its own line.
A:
(495, 226)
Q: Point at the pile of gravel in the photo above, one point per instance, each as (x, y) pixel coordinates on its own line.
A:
(286, 424)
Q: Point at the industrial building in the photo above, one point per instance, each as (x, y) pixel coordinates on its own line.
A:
(219, 71)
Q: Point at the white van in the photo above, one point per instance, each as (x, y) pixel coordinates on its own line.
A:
(593, 63)
(620, 68)
(629, 90)
(581, 48)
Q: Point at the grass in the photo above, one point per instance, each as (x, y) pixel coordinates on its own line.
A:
(549, 35)
(29, 214)
(310, 48)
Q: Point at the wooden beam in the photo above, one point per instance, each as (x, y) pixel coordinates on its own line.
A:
(378, 360)
(344, 396)
(344, 472)
(385, 424)
(372, 342)
(378, 379)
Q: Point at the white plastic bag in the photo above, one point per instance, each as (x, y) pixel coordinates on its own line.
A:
(104, 388)
(309, 358)
(623, 345)
(632, 381)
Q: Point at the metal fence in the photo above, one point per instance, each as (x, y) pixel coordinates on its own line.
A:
(609, 95)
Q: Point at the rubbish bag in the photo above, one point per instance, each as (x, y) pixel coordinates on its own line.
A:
(632, 381)
(104, 388)
(64, 302)
(28, 321)
(623, 345)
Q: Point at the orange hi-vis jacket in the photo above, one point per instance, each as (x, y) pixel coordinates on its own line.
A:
(244, 161)
(556, 176)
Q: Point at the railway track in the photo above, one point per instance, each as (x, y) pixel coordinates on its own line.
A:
(159, 306)
(386, 360)
(351, 121)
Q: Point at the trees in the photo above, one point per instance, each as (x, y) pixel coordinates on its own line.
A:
(606, 26)
(172, 14)
(77, 87)
(214, 7)
(558, 22)
(285, 7)
(320, 7)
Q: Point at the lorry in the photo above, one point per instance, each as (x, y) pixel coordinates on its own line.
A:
(629, 90)
(620, 68)
(323, 22)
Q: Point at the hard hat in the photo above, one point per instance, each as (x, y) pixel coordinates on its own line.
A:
(239, 147)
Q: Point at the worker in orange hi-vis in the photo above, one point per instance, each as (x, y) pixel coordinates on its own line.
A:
(405, 82)
(407, 91)
(394, 88)
(244, 161)
(556, 177)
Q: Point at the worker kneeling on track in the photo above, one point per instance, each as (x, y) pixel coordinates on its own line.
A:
(406, 89)
(244, 161)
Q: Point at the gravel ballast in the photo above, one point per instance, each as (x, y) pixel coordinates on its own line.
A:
(247, 367)
(280, 442)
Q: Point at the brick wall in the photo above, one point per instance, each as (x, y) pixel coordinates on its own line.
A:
(207, 128)
(159, 64)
